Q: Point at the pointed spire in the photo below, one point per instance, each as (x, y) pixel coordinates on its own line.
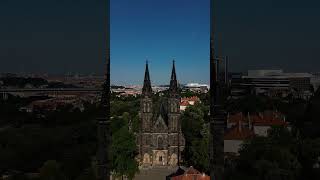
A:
(173, 82)
(173, 74)
(147, 90)
(147, 75)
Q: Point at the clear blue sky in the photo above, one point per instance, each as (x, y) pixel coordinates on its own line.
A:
(60, 36)
(159, 30)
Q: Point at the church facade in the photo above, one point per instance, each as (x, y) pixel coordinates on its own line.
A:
(160, 140)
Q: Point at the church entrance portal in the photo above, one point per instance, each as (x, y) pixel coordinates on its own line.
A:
(160, 158)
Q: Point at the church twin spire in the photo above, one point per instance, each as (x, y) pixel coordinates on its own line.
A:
(147, 90)
(173, 89)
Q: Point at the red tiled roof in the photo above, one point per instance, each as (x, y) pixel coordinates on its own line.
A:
(237, 133)
(268, 118)
(235, 118)
(192, 170)
(193, 98)
(191, 174)
(184, 103)
(269, 122)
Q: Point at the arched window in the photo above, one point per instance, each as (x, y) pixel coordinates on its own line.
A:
(174, 124)
(173, 159)
(145, 123)
(146, 158)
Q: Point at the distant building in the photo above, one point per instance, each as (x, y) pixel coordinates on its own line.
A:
(53, 103)
(263, 122)
(196, 87)
(184, 105)
(277, 83)
(78, 81)
(267, 82)
(237, 90)
(315, 81)
(126, 90)
(8, 75)
(188, 101)
(300, 82)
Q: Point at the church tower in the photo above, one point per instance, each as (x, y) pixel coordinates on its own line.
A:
(173, 101)
(174, 125)
(146, 117)
(160, 136)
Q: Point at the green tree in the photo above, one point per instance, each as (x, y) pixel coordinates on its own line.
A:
(268, 158)
(123, 151)
(136, 124)
(311, 122)
(196, 133)
(188, 93)
(309, 157)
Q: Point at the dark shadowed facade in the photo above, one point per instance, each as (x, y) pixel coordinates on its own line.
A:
(160, 140)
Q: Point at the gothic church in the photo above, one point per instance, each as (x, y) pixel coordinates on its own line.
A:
(160, 141)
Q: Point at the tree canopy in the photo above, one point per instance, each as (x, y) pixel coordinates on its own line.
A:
(123, 149)
(196, 133)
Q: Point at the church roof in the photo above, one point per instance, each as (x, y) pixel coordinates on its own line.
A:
(160, 125)
(161, 109)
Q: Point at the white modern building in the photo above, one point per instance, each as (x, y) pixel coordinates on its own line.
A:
(196, 87)
(277, 82)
